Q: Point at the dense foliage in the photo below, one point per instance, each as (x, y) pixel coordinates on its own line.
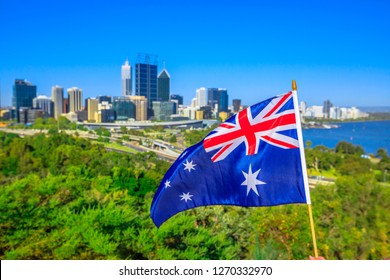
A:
(62, 197)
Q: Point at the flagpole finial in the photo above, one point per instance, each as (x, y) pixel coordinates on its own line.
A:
(294, 85)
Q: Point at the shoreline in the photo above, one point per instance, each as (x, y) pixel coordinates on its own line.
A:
(370, 135)
(334, 124)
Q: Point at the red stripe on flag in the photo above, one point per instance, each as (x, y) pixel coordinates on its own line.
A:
(276, 107)
(249, 131)
(220, 152)
(226, 125)
(278, 142)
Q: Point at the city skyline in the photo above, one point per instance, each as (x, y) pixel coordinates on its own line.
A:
(336, 51)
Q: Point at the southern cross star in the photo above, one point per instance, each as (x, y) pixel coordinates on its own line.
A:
(251, 181)
(167, 184)
(186, 196)
(189, 165)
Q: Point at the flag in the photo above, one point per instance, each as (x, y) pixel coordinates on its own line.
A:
(255, 158)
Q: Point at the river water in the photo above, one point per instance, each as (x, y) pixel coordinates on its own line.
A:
(371, 135)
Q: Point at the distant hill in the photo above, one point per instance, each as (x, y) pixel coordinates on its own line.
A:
(375, 109)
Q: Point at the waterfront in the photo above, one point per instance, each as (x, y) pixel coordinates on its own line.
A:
(371, 135)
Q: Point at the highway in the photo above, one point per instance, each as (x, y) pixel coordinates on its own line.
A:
(166, 154)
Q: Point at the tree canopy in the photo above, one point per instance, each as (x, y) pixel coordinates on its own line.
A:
(62, 197)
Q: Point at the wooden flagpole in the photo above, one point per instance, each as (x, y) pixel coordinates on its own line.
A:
(313, 233)
(300, 139)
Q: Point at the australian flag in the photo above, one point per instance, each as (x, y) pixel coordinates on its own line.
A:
(253, 159)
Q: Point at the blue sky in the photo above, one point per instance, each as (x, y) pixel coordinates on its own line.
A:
(338, 50)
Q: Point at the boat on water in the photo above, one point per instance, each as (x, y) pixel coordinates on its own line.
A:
(319, 125)
(329, 126)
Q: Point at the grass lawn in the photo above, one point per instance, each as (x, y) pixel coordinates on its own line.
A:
(117, 146)
(326, 173)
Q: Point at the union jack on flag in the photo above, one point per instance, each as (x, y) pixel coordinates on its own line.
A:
(250, 130)
(253, 159)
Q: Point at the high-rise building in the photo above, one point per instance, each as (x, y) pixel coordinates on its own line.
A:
(146, 79)
(236, 105)
(82, 116)
(223, 100)
(124, 108)
(57, 96)
(104, 98)
(127, 88)
(65, 106)
(163, 110)
(199, 115)
(334, 113)
(75, 97)
(29, 115)
(212, 97)
(207, 114)
(105, 113)
(141, 107)
(201, 97)
(326, 108)
(302, 107)
(106, 116)
(92, 107)
(194, 102)
(177, 97)
(163, 82)
(23, 94)
(44, 103)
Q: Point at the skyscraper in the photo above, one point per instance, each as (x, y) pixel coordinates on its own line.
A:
(146, 79)
(141, 107)
(105, 113)
(104, 98)
(223, 100)
(75, 97)
(57, 96)
(127, 88)
(93, 106)
(44, 103)
(178, 98)
(236, 105)
(163, 82)
(65, 106)
(326, 108)
(212, 98)
(124, 108)
(23, 94)
(201, 97)
(163, 110)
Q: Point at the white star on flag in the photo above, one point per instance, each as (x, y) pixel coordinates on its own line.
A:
(186, 196)
(167, 184)
(251, 181)
(189, 166)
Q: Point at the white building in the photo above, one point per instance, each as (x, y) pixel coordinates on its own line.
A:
(343, 113)
(194, 102)
(75, 97)
(334, 113)
(189, 112)
(302, 107)
(126, 79)
(314, 112)
(44, 103)
(201, 97)
(57, 96)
